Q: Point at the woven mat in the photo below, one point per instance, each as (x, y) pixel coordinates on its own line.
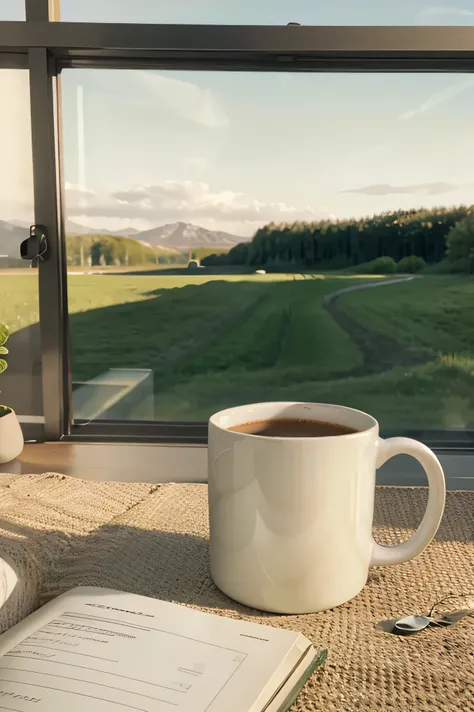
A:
(152, 540)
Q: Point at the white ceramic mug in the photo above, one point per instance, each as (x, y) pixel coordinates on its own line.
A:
(291, 518)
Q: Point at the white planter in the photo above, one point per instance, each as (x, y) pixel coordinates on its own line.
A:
(11, 437)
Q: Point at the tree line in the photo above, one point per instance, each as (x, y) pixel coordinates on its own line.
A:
(346, 243)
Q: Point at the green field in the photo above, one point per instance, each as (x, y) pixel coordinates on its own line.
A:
(404, 352)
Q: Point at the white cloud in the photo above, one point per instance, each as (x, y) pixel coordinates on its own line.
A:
(438, 98)
(193, 199)
(79, 195)
(79, 189)
(186, 201)
(188, 100)
(444, 10)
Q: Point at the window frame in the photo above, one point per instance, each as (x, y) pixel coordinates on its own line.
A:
(32, 426)
(12, 60)
(46, 46)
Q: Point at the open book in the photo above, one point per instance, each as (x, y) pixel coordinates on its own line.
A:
(108, 651)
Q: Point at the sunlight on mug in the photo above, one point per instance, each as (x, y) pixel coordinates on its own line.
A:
(291, 511)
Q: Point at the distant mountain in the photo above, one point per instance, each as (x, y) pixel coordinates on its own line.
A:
(10, 238)
(21, 223)
(159, 248)
(181, 235)
(126, 232)
(73, 228)
(178, 235)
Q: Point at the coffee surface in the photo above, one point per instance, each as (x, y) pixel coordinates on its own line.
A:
(291, 428)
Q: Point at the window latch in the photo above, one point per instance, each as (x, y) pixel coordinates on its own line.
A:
(36, 245)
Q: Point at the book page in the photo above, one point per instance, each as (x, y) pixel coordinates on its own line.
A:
(114, 652)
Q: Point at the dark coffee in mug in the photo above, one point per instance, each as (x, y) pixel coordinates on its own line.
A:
(291, 428)
(291, 514)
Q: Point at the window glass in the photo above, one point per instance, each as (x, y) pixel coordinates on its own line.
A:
(238, 237)
(20, 384)
(12, 10)
(277, 12)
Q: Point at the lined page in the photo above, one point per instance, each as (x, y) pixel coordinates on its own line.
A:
(113, 652)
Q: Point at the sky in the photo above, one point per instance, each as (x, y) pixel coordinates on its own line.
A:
(232, 151)
(261, 12)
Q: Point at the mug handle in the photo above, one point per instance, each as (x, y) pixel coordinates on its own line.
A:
(389, 555)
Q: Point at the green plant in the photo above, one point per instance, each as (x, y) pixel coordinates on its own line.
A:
(411, 264)
(384, 265)
(4, 333)
(460, 242)
(449, 266)
(381, 265)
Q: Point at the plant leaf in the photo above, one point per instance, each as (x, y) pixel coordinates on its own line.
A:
(4, 334)
(3, 350)
(321, 659)
(3, 365)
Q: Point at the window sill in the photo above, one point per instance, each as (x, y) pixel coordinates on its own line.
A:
(127, 462)
(106, 462)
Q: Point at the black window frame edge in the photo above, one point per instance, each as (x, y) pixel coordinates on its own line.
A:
(448, 441)
(46, 46)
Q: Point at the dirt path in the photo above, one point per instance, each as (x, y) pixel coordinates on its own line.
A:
(380, 352)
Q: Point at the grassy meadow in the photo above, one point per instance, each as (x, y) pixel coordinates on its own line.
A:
(404, 352)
